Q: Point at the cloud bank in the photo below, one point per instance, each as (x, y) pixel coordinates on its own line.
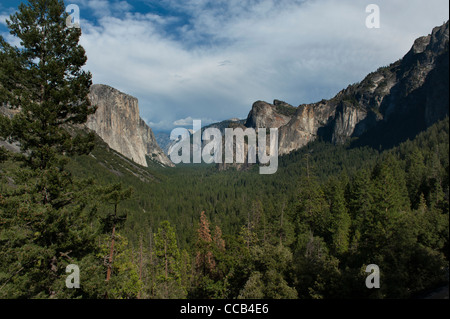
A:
(211, 59)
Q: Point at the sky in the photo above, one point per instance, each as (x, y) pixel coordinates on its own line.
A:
(210, 60)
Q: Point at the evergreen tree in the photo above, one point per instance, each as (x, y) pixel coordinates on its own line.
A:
(113, 195)
(205, 261)
(340, 219)
(416, 172)
(209, 269)
(168, 267)
(46, 223)
(254, 287)
(186, 271)
(391, 194)
(269, 274)
(124, 282)
(44, 79)
(312, 212)
(317, 274)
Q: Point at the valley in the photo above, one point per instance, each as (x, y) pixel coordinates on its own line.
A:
(362, 179)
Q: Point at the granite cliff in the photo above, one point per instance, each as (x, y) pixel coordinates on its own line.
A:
(118, 123)
(391, 104)
(270, 115)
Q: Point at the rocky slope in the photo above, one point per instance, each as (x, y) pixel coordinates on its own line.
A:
(118, 123)
(390, 105)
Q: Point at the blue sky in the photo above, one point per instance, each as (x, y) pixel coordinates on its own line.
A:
(211, 59)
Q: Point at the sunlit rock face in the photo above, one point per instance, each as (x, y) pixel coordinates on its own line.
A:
(118, 123)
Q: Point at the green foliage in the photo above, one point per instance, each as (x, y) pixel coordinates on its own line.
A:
(269, 267)
(286, 109)
(333, 219)
(124, 282)
(340, 220)
(49, 217)
(317, 273)
(168, 264)
(46, 213)
(45, 80)
(312, 210)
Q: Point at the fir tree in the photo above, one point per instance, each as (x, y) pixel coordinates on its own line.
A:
(312, 208)
(45, 221)
(205, 262)
(168, 267)
(340, 219)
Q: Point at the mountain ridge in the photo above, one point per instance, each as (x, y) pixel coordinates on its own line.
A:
(413, 90)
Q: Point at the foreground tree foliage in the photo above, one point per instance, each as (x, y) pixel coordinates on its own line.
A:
(168, 264)
(47, 216)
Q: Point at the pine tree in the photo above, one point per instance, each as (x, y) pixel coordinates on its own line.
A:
(218, 240)
(209, 270)
(205, 262)
(46, 223)
(340, 219)
(113, 195)
(268, 278)
(187, 271)
(391, 194)
(168, 267)
(124, 281)
(44, 79)
(360, 196)
(416, 171)
(312, 207)
(254, 287)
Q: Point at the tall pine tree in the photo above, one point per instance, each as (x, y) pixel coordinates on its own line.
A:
(45, 221)
(168, 267)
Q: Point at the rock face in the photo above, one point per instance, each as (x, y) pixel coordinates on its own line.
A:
(267, 115)
(118, 123)
(303, 127)
(392, 104)
(152, 147)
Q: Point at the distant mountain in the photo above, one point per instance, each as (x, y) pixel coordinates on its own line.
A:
(163, 140)
(232, 123)
(118, 123)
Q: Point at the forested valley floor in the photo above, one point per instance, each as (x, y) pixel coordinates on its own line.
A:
(308, 231)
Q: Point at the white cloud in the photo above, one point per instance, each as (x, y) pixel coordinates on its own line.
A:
(3, 18)
(230, 53)
(102, 8)
(189, 121)
(184, 122)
